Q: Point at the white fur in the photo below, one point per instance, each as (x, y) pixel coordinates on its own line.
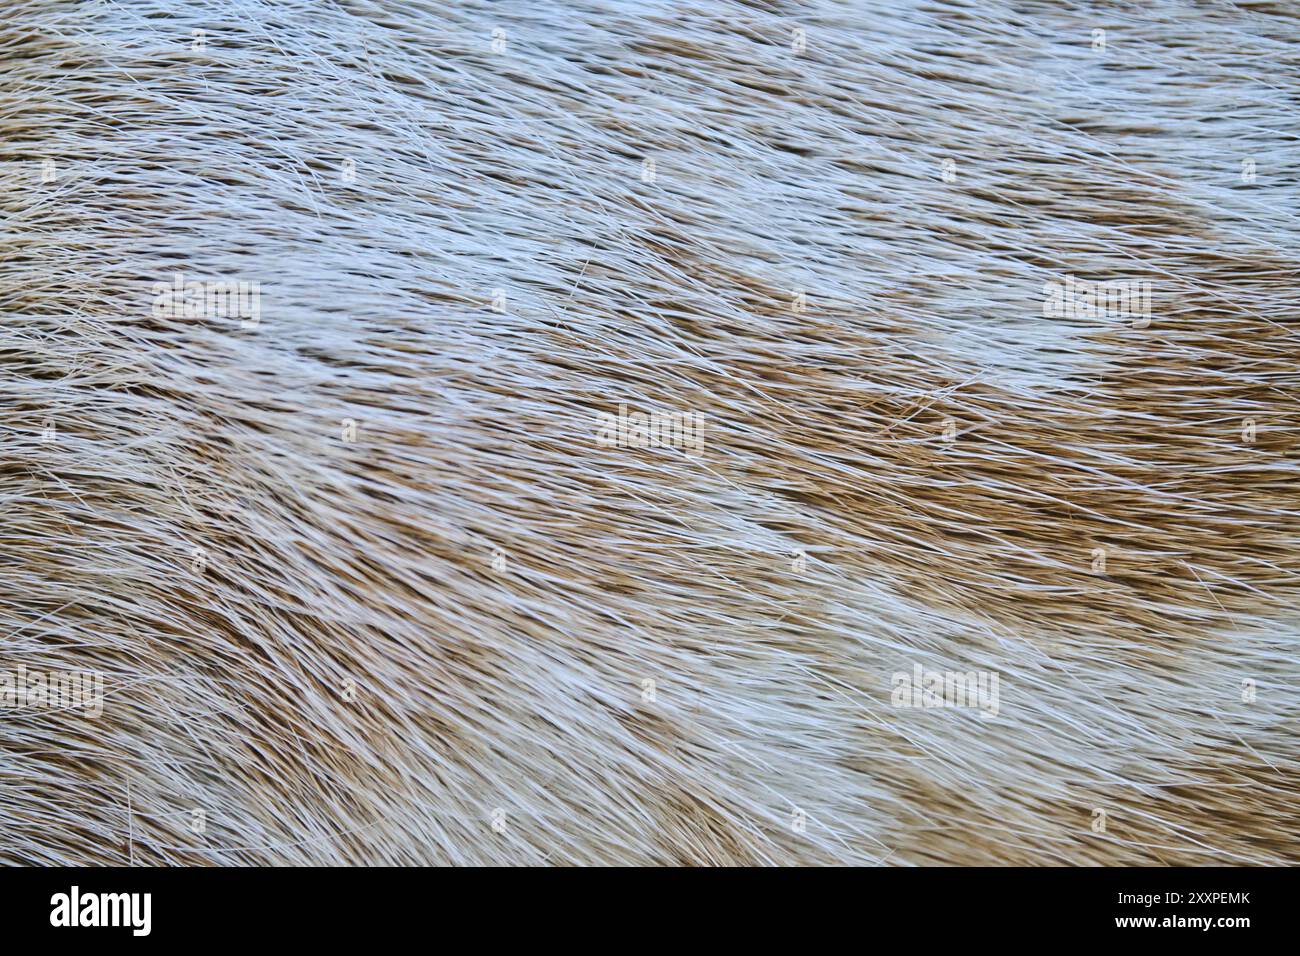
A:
(498, 585)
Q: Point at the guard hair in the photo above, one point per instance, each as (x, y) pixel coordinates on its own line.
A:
(578, 433)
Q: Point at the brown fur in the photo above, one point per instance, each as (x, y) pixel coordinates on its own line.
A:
(350, 678)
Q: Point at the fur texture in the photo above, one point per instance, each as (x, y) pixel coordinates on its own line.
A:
(430, 638)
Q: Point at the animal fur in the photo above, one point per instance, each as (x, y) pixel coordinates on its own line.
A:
(431, 639)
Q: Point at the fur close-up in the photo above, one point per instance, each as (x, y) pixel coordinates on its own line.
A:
(684, 432)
